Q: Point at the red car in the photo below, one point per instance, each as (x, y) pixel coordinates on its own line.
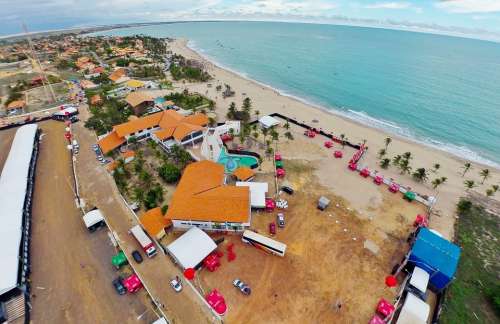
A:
(132, 283)
(217, 302)
(272, 228)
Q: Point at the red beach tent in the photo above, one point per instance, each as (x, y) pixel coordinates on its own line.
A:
(364, 173)
(338, 154)
(378, 180)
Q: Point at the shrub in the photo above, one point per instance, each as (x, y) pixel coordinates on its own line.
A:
(169, 172)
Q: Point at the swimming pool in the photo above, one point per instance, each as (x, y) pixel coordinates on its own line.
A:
(233, 161)
(159, 100)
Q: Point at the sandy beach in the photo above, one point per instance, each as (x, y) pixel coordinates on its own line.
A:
(268, 100)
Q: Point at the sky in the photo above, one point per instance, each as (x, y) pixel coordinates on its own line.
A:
(473, 17)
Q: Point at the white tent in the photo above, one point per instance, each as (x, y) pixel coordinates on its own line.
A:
(414, 311)
(258, 192)
(268, 122)
(93, 217)
(13, 186)
(191, 248)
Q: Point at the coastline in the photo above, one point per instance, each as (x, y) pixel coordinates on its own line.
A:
(269, 100)
(445, 148)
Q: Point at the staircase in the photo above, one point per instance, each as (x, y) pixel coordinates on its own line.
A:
(15, 308)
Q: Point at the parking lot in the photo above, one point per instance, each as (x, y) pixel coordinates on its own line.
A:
(71, 268)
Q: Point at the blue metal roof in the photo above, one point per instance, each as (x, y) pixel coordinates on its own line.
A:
(436, 252)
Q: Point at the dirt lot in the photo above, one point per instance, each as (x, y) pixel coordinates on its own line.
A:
(6, 137)
(71, 270)
(323, 262)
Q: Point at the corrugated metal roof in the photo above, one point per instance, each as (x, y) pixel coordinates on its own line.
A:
(13, 184)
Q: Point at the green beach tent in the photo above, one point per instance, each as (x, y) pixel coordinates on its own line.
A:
(119, 260)
(279, 165)
(410, 196)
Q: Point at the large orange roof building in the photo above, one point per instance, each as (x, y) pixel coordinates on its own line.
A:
(166, 126)
(203, 199)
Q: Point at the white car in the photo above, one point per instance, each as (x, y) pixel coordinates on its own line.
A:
(176, 285)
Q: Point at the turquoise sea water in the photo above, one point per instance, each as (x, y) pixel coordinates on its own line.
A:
(443, 91)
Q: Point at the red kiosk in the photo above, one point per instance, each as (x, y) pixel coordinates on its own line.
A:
(216, 301)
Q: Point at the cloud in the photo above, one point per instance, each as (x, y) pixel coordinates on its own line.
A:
(389, 5)
(470, 6)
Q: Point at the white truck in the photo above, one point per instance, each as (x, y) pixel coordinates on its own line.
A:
(93, 220)
(147, 245)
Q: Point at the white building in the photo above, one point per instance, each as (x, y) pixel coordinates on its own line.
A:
(191, 248)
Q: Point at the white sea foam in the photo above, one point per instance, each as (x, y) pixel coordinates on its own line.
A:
(362, 117)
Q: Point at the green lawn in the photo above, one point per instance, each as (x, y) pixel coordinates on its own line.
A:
(474, 296)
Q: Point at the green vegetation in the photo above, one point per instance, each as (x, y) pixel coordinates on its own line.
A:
(190, 73)
(474, 296)
(169, 172)
(191, 101)
(147, 71)
(65, 64)
(111, 113)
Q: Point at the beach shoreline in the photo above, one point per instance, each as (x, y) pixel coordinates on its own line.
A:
(269, 100)
(189, 45)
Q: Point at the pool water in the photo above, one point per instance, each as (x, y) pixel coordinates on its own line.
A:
(159, 100)
(233, 161)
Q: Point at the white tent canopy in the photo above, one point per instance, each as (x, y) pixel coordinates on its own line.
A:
(268, 121)
(191, 248)
(258, 192)
(414, 311)
(13, 186)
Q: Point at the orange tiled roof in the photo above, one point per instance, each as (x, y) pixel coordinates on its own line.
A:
(117, 74)
(138, 124)
(95, 99)
(202, 196)
(16, 104)
(136, 98)
(153, 221)
(243, 173)
(171, 124)
(110, 142)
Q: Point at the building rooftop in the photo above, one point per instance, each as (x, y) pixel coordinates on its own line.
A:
(201, 195)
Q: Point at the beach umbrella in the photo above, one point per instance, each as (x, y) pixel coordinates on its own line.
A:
(391, 281)
(189, 273)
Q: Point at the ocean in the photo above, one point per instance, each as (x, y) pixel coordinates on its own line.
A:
(439, 90)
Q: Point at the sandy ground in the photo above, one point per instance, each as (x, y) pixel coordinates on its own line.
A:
(6, 137)
(325, 260)
(71, 268)
(267, 100)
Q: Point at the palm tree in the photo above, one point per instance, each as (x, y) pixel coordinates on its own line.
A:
(384, 164)
(407, 156)
(467, 166)
(436, 183)
(381, 153)
(436, 167)
(255, 135)
(257, 113)
(287, 125)
(420, 174)
(139, 194)
(494, 188)
(288, 136)
(485, 173)
(489, 192)
(387, 141)
(405, 167)
(396, 160)
(469, 184)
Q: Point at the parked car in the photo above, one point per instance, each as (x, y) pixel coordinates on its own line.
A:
(119, 287)
(280, 218)
(176, 284)
(287, 189)
(137, 256)
(272, 228)
(243, 287)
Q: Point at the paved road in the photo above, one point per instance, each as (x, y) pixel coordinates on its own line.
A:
(97, 188)
(71, 270)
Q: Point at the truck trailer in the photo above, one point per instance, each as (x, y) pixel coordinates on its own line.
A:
(147, 245)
